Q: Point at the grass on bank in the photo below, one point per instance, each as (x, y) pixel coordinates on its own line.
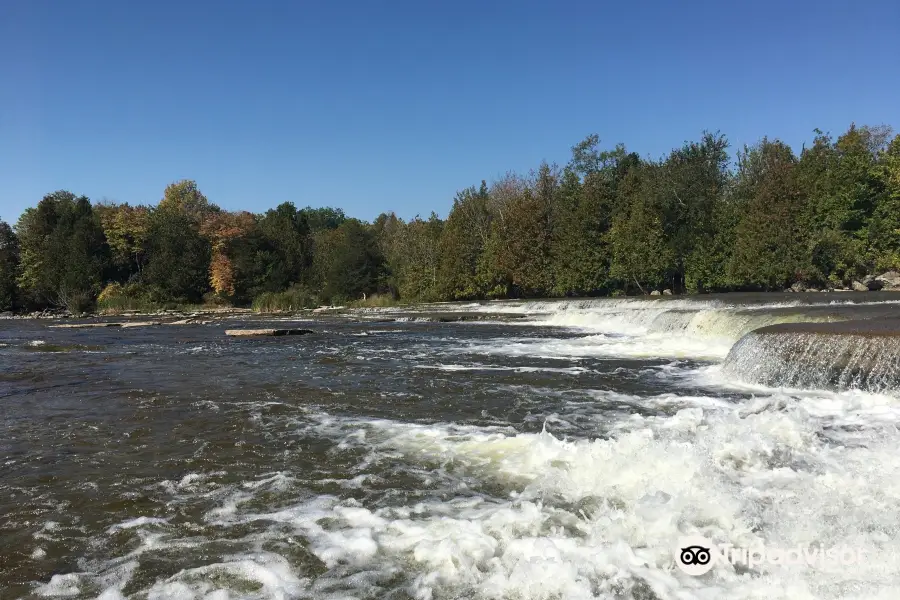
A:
(376, 300)
(134, 297)
(294, 298)
(299, 298)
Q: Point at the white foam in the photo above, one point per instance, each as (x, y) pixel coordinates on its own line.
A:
(60, 586)
(602, 346)
(597, 517)
(537, 516)
(268, 574)
(481, 367)
(137, 522)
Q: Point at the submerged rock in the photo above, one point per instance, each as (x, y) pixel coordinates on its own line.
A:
(190, 321)
(266, 332)
(41, 346)
(124, 324)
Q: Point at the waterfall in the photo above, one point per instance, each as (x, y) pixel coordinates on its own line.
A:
(862, 355)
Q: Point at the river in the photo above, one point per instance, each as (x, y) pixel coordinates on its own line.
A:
(514, 450)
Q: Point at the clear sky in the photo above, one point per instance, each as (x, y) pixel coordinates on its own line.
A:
(377, 105)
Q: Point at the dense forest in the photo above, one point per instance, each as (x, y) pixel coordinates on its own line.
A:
(607, 223)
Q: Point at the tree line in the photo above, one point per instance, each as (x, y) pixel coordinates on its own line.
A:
(607, 223)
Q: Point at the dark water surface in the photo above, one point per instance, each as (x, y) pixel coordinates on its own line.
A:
(557, 455)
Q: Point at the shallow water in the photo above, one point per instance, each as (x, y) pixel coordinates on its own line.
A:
(555, 456)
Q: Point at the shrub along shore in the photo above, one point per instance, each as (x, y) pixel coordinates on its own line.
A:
(607, 223)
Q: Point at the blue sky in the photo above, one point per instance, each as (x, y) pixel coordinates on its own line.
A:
(377, 106)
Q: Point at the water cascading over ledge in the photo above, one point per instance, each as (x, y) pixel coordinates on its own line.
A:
(863, 355)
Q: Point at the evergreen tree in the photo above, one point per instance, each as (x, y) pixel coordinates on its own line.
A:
(529, 230)
(9, 267)
(641, 256)
(688, 186)
(842, 186)
(766, 254)
(287, 244)
(884, 227)
(63, 252)
(349, 261)
(178, 257)
(463, 241)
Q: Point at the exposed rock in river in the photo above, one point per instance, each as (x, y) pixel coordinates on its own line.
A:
(106, 324)
(189, 322)
(266, 332)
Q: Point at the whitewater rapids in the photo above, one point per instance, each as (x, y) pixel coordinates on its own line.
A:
(558, 456)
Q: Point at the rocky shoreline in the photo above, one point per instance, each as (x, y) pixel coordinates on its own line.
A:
(886, 282)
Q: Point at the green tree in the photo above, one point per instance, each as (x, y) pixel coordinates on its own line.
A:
(63, 252)
(640, 252)
(463, 241)
(412, 255)
(840, 179)
(125, 228)
(184, 197)
(349, 261)
(320, 219)
(529, 235)
(178, 257)
(689, 185)
(586, 207)
(421, 243)
(884, 227)
(9, 267)
(765, 250)
(286, 232)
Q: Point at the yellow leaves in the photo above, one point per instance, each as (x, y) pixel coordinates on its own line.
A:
(125, 228)
(113, 290)
(221, 274)
(222, 227)
(184, 197)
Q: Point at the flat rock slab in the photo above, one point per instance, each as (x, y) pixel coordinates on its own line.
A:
(266, 332)
(189, 322)
(117, 324)
(876, 327)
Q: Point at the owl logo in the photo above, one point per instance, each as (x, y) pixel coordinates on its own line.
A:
(694, 555)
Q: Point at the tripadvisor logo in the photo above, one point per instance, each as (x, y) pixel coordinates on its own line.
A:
(696, 555)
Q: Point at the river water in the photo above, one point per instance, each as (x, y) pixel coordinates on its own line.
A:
(546, 450)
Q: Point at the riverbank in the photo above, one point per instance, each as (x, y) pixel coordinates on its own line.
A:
(888, 283)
